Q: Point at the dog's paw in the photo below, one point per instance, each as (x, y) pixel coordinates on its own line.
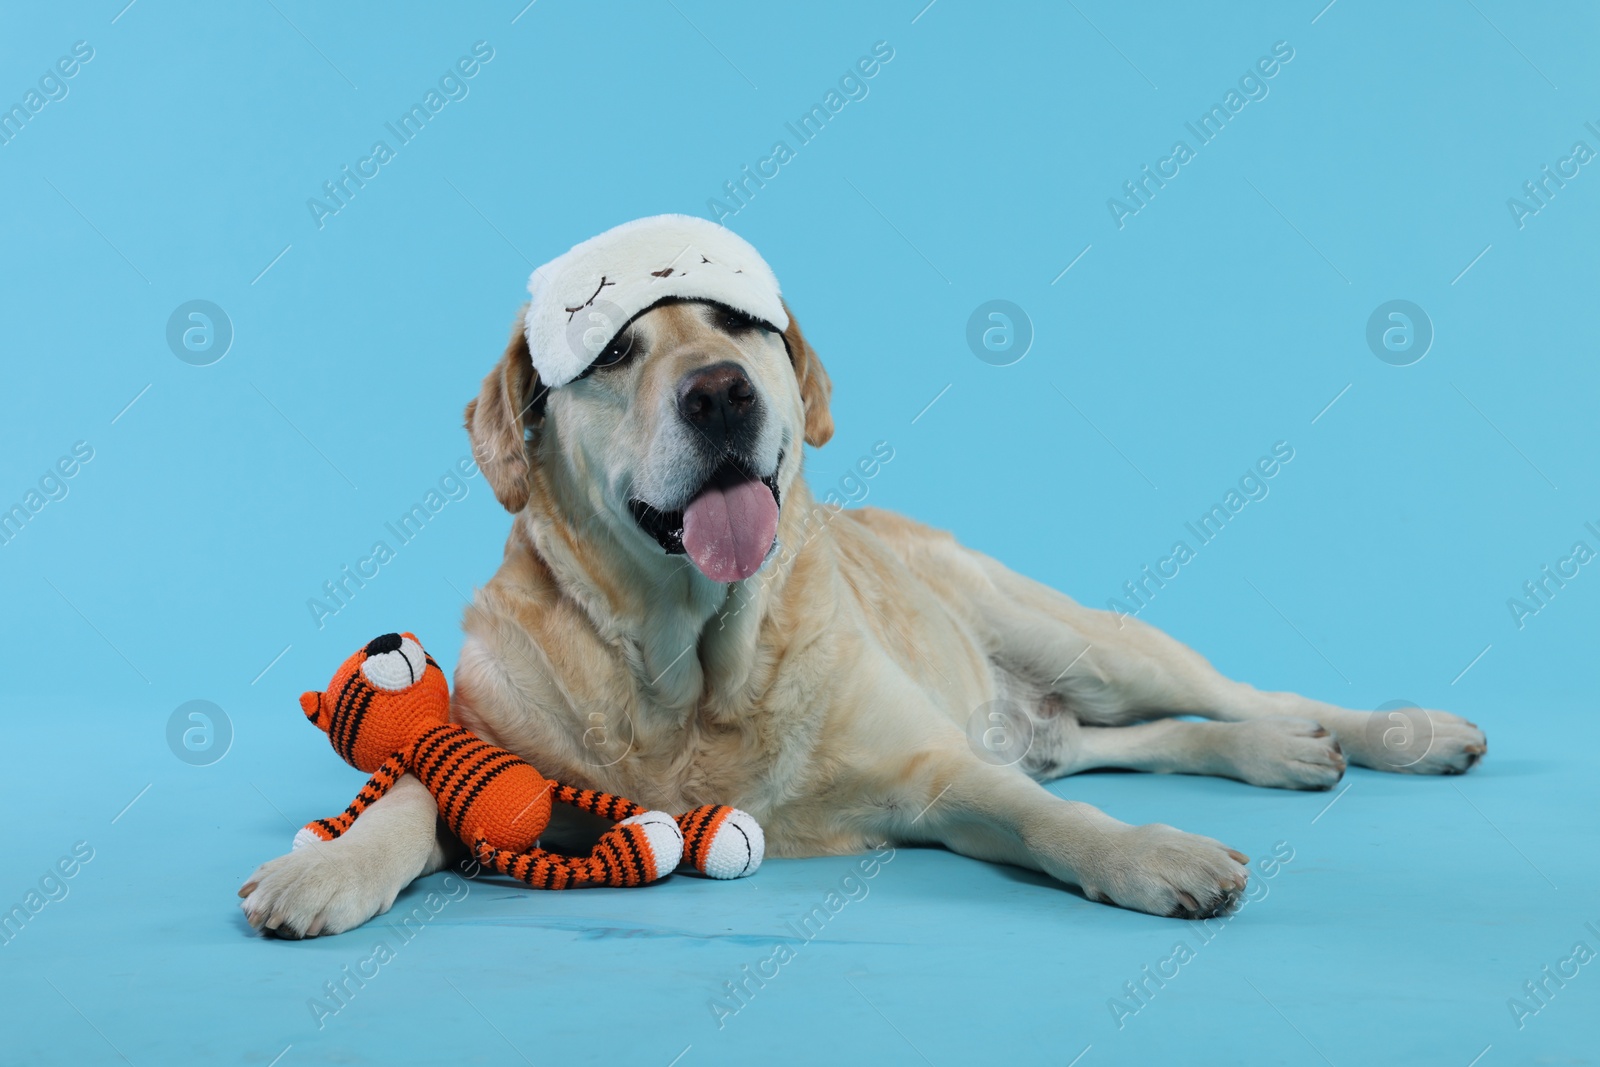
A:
(1457, 746)
(1283, 753)
(1412, 740)
(1165, 871)
(322, 887)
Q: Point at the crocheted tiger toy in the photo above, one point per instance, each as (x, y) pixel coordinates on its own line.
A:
(387, 712)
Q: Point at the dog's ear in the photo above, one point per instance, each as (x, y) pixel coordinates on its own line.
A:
(510, 403)
(815, 387)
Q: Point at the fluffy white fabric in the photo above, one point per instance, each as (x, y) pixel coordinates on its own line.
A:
(583, 297)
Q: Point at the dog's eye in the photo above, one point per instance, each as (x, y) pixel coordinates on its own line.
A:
(617, 352)
(736, 321)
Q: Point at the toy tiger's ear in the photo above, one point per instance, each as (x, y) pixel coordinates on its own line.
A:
(311, 704)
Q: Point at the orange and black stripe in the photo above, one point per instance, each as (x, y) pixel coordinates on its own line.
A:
(455, 765)
(608, 807)
(622, 857)
(349, 708)
(700, 826)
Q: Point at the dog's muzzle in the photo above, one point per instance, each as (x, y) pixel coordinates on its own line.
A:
(727, 528)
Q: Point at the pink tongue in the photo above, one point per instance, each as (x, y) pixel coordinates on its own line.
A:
(728, 531)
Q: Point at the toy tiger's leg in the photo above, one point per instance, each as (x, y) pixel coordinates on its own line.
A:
(608, 807)
(379, 784)
(722, 842)
(538, 868)
(638, 850)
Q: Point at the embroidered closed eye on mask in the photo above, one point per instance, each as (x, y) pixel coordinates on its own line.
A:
(585, 296)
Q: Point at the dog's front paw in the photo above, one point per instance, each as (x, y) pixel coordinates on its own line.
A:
(1412, 740)
(322, 887)
(1165, 871)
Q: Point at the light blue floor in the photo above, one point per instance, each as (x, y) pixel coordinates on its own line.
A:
(1411, 911)
(215, 490)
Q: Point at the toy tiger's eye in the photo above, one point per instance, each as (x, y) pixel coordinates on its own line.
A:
(397, 668)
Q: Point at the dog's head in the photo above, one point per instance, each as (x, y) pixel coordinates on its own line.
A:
(682, 437)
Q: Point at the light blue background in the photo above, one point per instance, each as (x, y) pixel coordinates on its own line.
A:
(1224, 317)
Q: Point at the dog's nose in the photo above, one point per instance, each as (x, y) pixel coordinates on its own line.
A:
(717, 400)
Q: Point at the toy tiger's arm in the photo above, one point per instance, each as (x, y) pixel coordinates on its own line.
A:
(379, 784)
(608, 807)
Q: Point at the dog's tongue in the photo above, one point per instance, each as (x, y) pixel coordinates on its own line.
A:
(728, 530)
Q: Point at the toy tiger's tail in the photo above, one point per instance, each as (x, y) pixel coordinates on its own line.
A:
(638, 850)
(379, 784)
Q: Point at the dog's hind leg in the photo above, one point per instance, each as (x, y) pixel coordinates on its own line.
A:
(1113, 670)
(1126, 671)
(1285, 753)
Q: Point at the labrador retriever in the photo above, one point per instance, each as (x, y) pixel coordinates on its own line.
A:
(677, 620)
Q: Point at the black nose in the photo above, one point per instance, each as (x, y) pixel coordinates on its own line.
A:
(717, 400)
(379, 645)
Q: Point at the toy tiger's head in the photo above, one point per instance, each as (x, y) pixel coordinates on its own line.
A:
(380, 701)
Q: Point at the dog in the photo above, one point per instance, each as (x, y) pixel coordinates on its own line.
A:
(677, 620)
